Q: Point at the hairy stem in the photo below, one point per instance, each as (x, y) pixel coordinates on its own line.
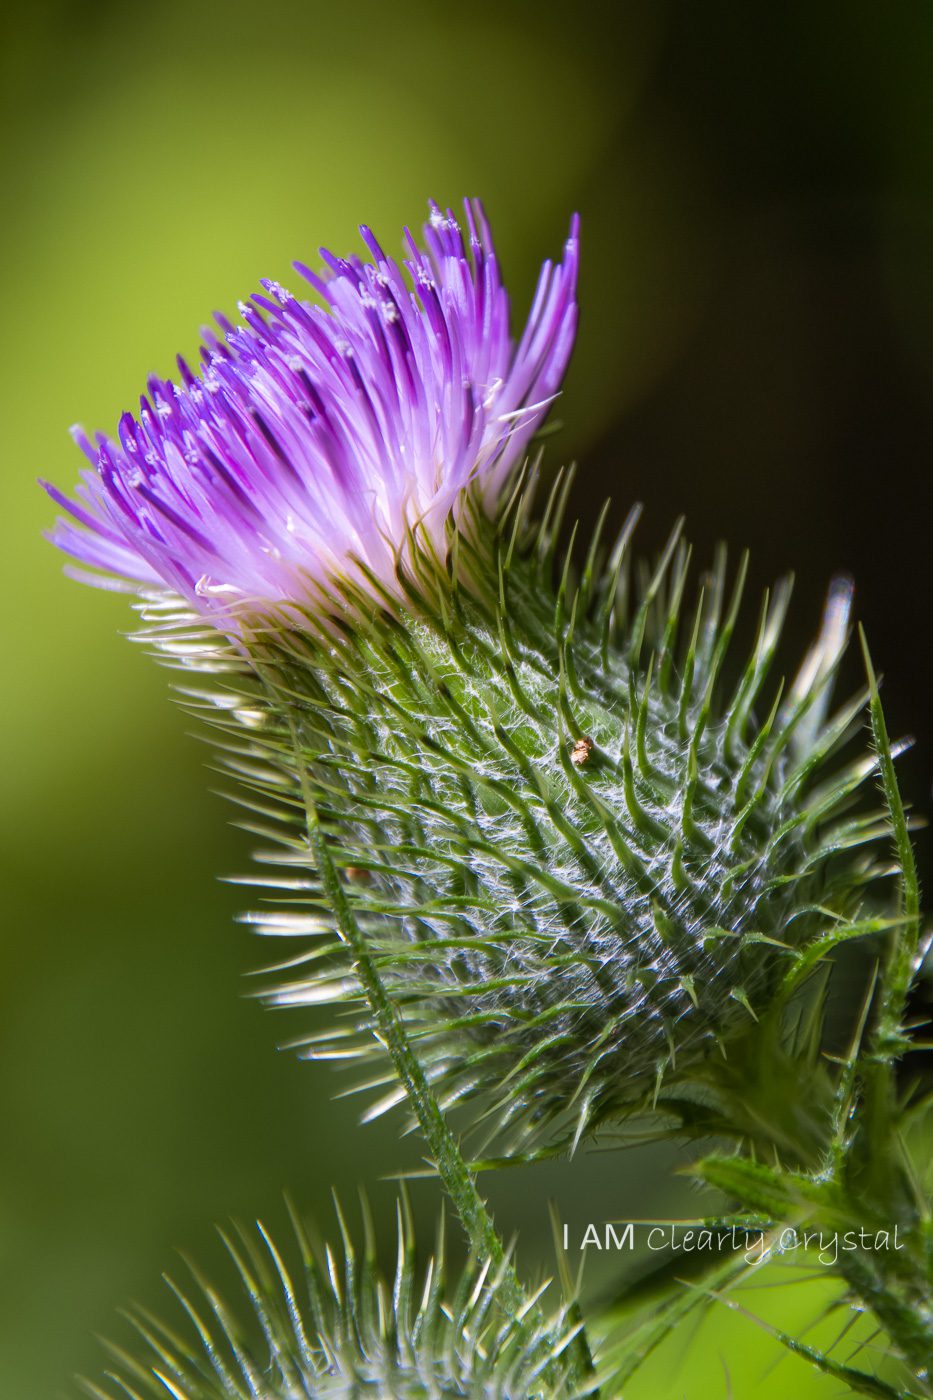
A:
(907, 1321)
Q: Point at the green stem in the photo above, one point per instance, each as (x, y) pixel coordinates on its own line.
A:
(907, 1322)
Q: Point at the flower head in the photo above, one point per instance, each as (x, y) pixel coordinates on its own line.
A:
(335, 1328)
(314, 438)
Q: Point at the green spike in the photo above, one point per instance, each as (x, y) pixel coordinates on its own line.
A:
(680, 573)
(750, 761)
(563, 589)
(722, 641)
(665, 927)
(657, 781)
(641, 817)
(741, 996)
(590, 575)
(689, 666)
(714, 589)
(637, 631)
(612, 583)
(693, 833)
(549, 529)
(681, 880)
(689, 986)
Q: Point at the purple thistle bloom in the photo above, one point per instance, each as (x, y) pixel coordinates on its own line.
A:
(313, 437)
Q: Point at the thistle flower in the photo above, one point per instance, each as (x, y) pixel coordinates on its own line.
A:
(319, 440)
(337, 1329)
(581, 857)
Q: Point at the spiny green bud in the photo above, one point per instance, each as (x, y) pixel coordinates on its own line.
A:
(336, 1329)
(583, 856)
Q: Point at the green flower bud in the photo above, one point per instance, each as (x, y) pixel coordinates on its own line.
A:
(584, 854)
(338, 1330)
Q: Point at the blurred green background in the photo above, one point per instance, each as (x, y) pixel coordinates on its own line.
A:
(756, 349)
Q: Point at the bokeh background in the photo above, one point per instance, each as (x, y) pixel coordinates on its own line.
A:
(756, 350)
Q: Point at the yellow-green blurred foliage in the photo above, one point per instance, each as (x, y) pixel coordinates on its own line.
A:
(157, 161)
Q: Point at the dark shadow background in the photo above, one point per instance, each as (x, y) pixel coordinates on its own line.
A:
(756, 351)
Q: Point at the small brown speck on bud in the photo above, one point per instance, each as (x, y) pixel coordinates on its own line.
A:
(356, 875)
(581, 750)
